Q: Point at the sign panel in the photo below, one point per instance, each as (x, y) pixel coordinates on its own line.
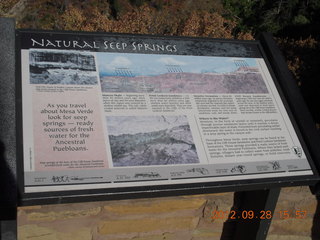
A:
(103, 111)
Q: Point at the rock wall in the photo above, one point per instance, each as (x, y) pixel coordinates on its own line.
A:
(170, 218)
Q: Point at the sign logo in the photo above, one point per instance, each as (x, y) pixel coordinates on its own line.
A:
(202, 171)
(275, 165)
(297, 151)
(147, 175)
(239, 168)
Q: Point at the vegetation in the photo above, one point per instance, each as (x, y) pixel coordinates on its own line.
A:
(295, 23)
(303, 60)
(277, 17)
(5, 6)
(186, 18)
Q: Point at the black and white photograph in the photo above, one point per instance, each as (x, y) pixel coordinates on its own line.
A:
(151, 140)
(62, 67)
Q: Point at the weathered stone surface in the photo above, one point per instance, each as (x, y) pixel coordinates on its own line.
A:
(148, 225)
(166, 236)
(156, 206)
(171, 218)
(205, 233)
(292, 200)
(52, 216)
(287, 237)
(29, 208)
(35, 232)
(300, 227)
(223, 203)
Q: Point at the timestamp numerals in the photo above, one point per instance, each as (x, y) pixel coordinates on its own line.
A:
(245, 214)
(298, 214)
(260, 215)
(219, 214)
(265, 214)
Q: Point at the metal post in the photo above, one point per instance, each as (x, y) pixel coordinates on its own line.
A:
(262, 204)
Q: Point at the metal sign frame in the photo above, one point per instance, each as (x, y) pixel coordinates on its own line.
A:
(43, 43)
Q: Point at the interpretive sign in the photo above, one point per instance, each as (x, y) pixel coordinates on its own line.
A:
(125, 113)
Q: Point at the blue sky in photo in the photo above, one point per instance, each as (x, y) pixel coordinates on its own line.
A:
(155, 64)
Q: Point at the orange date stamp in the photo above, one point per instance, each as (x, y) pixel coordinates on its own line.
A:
(260, 215)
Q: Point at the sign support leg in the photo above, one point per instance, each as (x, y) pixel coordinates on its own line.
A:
(262, 203)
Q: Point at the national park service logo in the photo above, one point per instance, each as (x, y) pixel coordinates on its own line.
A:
(297, 151)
